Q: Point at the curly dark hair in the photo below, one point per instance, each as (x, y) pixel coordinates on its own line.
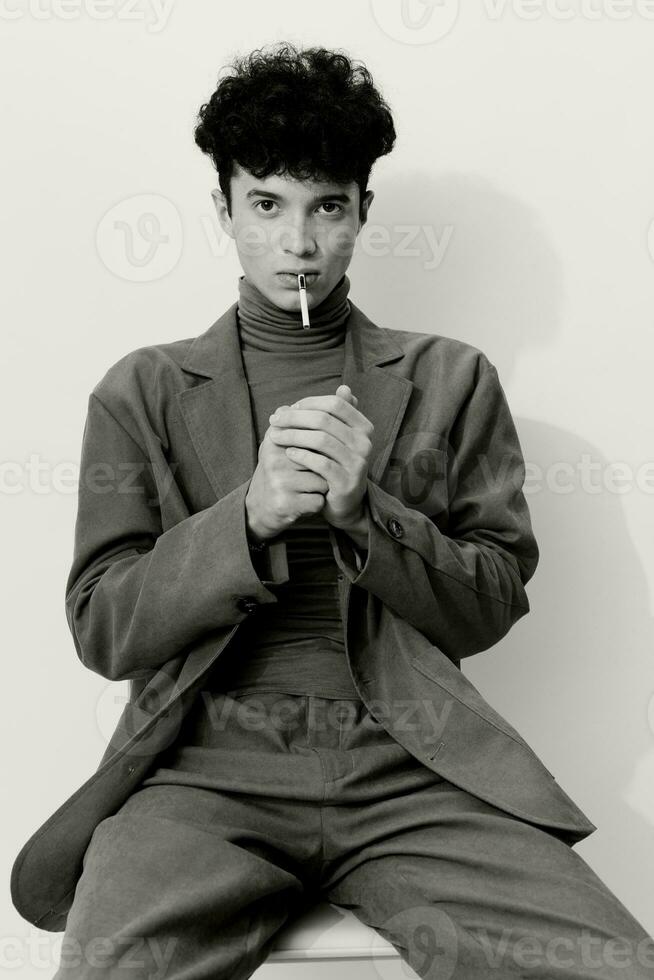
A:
(310, 113)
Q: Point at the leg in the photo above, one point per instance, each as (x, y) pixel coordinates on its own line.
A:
(465, 891)
(178, 883)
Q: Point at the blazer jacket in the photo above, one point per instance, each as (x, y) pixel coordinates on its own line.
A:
(162, 576)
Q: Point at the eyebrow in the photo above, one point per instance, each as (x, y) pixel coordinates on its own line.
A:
(255, 192)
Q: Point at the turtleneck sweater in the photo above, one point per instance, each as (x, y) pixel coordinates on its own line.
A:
(295, 645)
(266, 327)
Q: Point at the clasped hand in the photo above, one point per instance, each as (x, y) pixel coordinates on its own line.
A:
(328, 435)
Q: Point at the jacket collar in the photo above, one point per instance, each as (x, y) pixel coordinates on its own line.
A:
(218, 412)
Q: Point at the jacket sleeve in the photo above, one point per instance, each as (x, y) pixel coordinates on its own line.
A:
(461, 581)
(137, 595)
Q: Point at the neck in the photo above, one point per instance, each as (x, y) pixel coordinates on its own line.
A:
(264, 326)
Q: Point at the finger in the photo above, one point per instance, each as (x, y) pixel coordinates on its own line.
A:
(331, 450)
(306, 480)
(344, 391)
(334, 405)
(311, 419)
(340, 442)
(318, 462)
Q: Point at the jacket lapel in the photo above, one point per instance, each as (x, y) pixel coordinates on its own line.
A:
(218, 412)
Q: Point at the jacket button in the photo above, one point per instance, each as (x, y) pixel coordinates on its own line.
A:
(395, 527)
(246, 604)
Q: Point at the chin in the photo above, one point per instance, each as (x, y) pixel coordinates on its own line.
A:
(273, 291)
(285, 298)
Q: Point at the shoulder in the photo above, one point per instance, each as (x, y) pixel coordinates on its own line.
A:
(442, 358)
(139, 388)
(141, 372)
(438, 345)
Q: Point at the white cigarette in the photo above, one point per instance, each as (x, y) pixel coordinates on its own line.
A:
(302, 286)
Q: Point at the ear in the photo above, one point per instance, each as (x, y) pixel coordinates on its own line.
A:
(221, 210)
(366, 201)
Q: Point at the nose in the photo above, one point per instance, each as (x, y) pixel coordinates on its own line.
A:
(296, 238)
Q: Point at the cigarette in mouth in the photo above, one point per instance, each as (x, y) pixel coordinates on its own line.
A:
(302, 286)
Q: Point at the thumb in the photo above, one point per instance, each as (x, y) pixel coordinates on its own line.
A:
(346, 392)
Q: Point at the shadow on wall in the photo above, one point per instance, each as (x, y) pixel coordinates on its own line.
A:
(455, 256)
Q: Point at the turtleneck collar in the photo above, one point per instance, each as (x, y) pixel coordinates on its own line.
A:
(264, 326)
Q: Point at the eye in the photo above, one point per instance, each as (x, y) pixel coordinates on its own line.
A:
(328, 204)
(265, 200)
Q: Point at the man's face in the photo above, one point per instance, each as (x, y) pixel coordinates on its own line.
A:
(281, 224)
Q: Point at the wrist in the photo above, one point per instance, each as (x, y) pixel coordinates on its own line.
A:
(356, 522)
(256, 534)
(256, 541)
(357, 529)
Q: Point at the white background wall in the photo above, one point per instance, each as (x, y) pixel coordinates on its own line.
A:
(526, 149)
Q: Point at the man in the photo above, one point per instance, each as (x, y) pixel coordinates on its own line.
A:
(337, 511)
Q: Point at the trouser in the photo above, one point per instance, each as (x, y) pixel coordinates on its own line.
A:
(294, 798)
